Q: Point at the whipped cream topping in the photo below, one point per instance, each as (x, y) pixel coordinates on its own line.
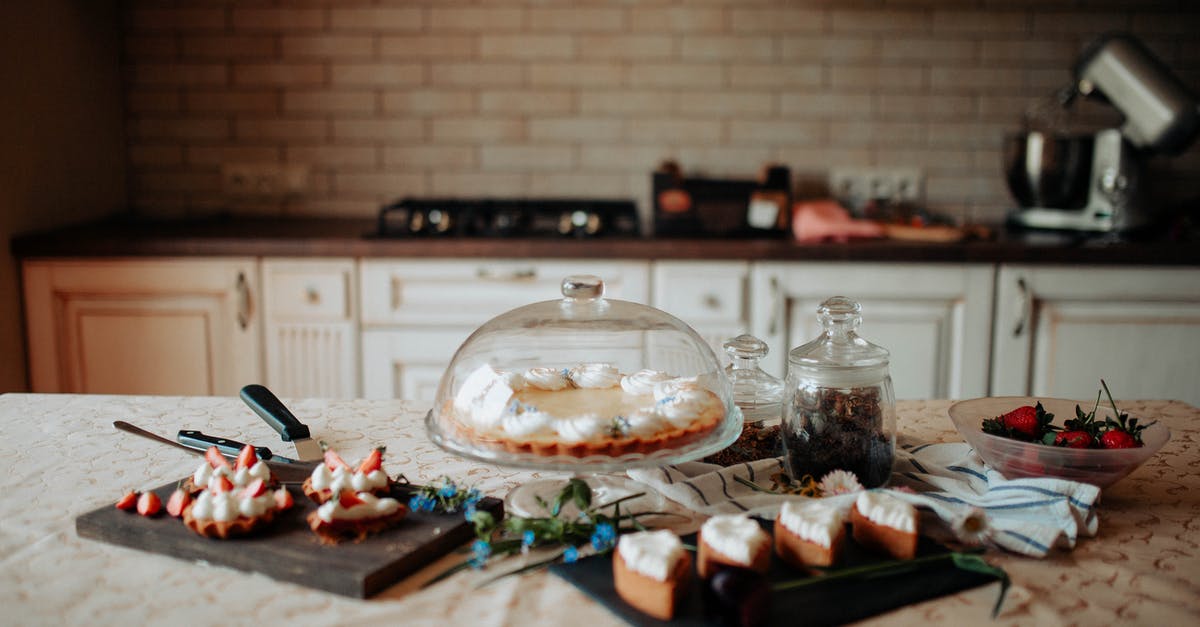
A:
(883, 509)
(737, 537)
(227, 506)
(685, 405)
(546, 378)
(246, 476)
(645, 422)
(205, 472)
(813, 521)
(651, 553)
(343, 478)
(595, 376)
(643, 381)
(371, 507)
(528, 421)
(672, 387)
(484, 395)
(582, 428)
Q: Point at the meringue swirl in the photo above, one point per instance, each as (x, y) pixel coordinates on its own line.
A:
(525, 423)
(643, 381)
(672, 387)
(544, 378)
(683, 407)
(595, 376)
(582, 428)
(645, 423)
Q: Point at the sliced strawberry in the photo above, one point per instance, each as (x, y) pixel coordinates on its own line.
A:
(334, 461)
(372, 462)
(222, 484)
(349, 499)
(256, 488)
(215, 458)
(149, 504)
(283, 499)
(247, 458)
(178, 501)
(128, 502)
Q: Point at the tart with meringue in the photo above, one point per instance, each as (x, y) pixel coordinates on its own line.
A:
(589, 409)
(243, 471)
(354, 515)
(223, 510)
(335, 476)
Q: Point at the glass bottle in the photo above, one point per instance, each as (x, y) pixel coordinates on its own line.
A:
(838, 408)
(759, 395)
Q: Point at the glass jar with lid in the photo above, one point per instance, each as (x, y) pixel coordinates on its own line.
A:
(839, 411)
(759, 395)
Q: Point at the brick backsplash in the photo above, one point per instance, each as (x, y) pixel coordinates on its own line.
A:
(554, 98)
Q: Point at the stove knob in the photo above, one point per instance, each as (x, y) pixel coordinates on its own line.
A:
(416, 222)
(440, 221)
(578, 222)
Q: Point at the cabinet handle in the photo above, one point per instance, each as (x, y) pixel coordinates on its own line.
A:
(1024, 306)
(243, 305)
(312, 295)
(776, 305)
(711, 301)
(525, 274)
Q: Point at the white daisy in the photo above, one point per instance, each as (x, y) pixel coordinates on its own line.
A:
(972, 527)
(839, 482)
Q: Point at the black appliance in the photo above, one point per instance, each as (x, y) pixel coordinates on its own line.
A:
(485, 217)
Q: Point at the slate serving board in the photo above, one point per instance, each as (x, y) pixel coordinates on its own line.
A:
(289, 551)
(832, 603)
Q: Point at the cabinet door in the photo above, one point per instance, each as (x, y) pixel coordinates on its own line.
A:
(1059, 330)
(310, 320)
(934, 319)
(169, 326)
(709, 296)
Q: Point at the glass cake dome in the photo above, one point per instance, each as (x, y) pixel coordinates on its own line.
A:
(584, 384)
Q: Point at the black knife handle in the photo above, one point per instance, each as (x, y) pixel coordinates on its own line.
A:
(271, 409)
(229, 448)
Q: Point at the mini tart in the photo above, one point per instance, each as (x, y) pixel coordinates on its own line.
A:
(356, 529)
(803, 553)
(649, 595)
(898, 543)
(334, 462)
(224, 529)
(709, 560)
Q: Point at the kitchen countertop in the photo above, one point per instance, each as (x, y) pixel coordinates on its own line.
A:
(64, 458)
(337, 237)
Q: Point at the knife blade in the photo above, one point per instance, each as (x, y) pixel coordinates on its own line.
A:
(295, 472)
(275, 413)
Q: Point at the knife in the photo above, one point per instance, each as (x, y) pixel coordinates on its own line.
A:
(275, 413)
(229, 448)
(295, 472)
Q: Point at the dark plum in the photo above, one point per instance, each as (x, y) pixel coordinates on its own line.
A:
(738, 597)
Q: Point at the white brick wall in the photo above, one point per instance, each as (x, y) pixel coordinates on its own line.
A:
(382, 98)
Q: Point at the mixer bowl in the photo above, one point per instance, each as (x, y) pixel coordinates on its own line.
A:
(1048, 170)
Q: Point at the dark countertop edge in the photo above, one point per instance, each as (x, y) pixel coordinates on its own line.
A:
(337, 237)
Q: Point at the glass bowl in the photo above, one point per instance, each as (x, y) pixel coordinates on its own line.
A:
(546, 386)
(1016, 459)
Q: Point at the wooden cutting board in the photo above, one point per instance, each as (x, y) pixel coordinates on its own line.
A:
(290, 551)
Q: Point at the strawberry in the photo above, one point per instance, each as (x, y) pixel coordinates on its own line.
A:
(1073, 439)
(349, 499)
(334, 461)
(256, 488)
(1119, 439)
(283, 499)
(372, 462)
(128, 502)
(215, 458)
(1122, 432)
(178, 502)
(223, 484)
(148, 504)
(247, 458)
(1023, 423)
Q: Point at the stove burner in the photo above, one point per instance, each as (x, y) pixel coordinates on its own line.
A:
(453, 217)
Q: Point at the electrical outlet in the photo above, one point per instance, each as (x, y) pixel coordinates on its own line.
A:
(855, 186)
(264, 179)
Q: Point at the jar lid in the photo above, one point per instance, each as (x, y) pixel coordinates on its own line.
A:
(839, 347)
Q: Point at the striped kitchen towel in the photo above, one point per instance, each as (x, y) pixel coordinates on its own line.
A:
(948, 481)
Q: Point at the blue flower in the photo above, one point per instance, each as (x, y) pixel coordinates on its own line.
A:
(473, 496)
(528, 538)
(469, 511)
(482, 550)
(447, 491)
(570, 555)
(604, 537)
(420, 503)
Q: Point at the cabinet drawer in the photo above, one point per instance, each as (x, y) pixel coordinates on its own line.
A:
(702, 293)
(453, 292)
(301, 290)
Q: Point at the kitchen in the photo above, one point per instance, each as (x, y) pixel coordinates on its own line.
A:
(354, 105)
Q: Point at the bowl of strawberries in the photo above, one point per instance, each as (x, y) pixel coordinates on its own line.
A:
(1021, 436)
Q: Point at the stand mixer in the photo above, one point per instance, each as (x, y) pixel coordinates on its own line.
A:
(1091, 181)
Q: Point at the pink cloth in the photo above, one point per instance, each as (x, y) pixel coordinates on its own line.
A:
(821, 220)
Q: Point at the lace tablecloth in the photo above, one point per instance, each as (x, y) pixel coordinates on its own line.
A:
(64, 458)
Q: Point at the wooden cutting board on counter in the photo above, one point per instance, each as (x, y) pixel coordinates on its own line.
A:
(289, 551)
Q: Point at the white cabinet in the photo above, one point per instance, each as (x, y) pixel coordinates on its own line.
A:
(1060, 329)
(710, 296)
(934, 318)
(310, 323)
(162, 326)
(415, 314)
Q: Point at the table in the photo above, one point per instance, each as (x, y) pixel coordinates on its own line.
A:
(64, 458)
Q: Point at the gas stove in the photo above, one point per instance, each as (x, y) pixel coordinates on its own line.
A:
(485, 217)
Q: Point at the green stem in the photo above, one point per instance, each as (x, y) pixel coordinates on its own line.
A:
(892, 567)
(752, 485)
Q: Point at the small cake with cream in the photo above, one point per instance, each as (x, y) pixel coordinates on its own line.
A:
(651, 571)
(335, 476)
(732, 540)
(884, 523)
(241, 473)
(809, 533)
(354, 515)
(588, 409)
